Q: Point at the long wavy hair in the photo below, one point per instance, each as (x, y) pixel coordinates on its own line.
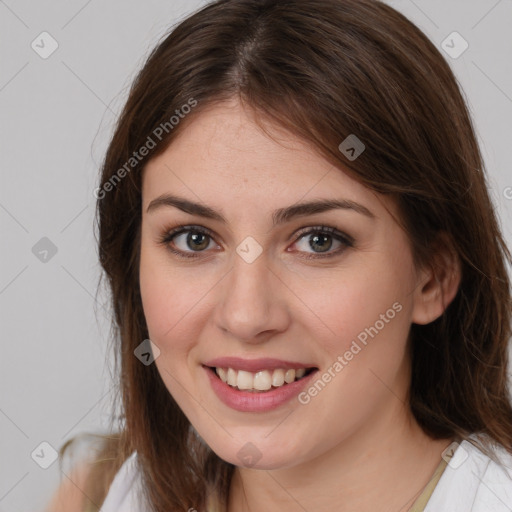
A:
(322, 69)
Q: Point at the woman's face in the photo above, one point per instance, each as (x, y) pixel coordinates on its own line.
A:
(256, 283)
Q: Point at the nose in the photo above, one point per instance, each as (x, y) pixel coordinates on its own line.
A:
(252, 307)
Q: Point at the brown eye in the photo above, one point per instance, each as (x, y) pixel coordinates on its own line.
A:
(187, 241)
(320, 240)
(197, 241)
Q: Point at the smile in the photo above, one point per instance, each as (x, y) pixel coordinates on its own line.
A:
(260, 381)
(257, 385)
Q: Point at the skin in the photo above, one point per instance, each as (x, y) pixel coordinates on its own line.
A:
(355, 446)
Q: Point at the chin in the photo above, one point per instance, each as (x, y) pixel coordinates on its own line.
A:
(264, 454)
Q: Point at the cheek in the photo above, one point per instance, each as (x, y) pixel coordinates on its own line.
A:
(172, 308)
(364, 348)
(362, 304)
(370, 313)
(168, 298)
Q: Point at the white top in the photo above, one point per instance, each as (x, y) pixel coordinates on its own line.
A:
(471, 482)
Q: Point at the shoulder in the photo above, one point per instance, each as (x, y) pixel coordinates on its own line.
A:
(88, 465)
(125, 493)
(69, 497)
(473, 480)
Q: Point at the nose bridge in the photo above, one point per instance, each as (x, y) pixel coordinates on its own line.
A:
(249, 277)
(251, 302)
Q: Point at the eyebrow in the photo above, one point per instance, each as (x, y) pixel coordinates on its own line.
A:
(279, 216)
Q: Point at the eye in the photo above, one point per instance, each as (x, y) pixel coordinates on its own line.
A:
(188, 240)
(321, 240)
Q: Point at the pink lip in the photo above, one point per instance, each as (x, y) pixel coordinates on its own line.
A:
(254, 365)
(245, 401)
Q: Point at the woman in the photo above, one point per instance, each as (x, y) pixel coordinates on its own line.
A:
(293, 209)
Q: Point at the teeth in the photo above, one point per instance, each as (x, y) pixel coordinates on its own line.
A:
(278, 378)
(262, 380)
(223, 374)
(259, 381)
(245, 380)
(231, 377)
(289, 376)
(300, 372)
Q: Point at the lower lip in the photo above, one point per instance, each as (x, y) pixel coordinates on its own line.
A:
(245, 401)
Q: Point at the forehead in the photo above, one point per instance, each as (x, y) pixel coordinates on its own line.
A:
(223, 157)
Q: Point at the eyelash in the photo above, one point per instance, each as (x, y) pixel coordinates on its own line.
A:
(169, 235)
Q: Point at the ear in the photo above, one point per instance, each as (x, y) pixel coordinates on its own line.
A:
(437, 283)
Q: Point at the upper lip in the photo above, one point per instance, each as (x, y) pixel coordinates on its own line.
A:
(254, 365)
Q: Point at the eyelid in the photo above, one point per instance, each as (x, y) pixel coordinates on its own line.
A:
(170, 233)
(336, 233)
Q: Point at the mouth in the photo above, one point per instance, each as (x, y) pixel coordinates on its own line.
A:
(257, 385)
(262, 381)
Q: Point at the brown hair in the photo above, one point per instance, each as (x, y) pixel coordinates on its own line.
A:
(323, 69)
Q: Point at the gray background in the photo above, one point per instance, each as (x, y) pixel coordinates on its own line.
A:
(56, 118)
